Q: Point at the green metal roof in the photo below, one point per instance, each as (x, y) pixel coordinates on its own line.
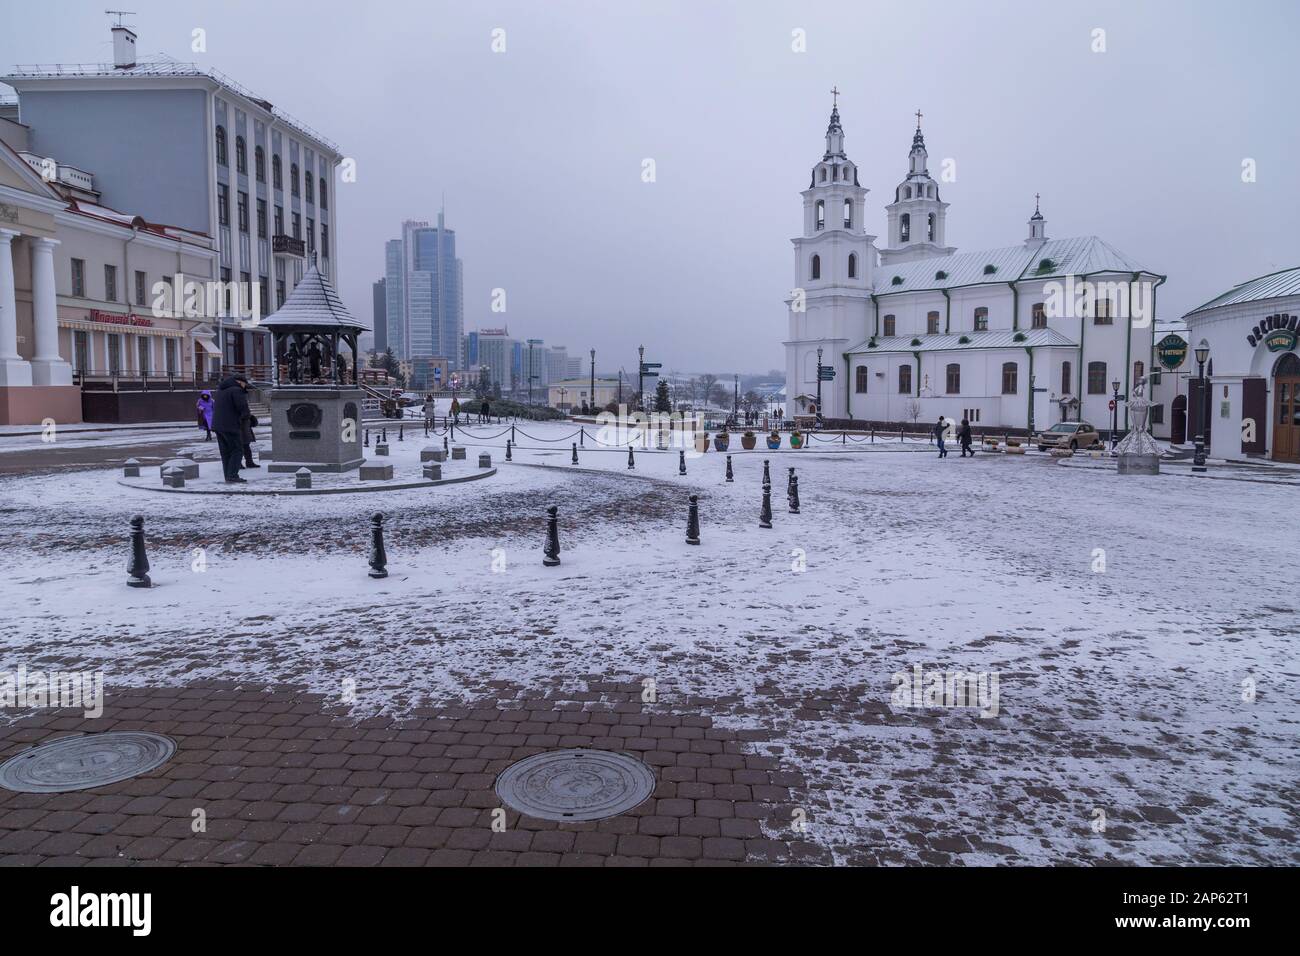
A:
(1275, 285)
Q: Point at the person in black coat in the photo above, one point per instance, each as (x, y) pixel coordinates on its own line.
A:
(246, 438)
(964, 439)
(229, 416)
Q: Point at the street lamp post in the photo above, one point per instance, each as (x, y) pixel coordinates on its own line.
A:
(563, 405)
(819, 382)
(1202, 353)
(640, 377)
(592, 395)
(1114, 413)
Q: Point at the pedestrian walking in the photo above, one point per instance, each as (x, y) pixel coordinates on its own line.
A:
(484, 412)
(229, 413)
(939, 429)
(964, 439)
(455, 410)
(204, 408)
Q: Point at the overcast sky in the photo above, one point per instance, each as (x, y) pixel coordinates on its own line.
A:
(539, 149)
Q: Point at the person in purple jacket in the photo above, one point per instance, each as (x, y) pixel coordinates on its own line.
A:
(204, 408)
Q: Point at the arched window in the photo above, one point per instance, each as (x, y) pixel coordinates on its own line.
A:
(904, 227)
(277, 178)
(294, 187)
(1039, 312)
(1096, 378)
(981, 319)
(848, 214)
(821, 214)
(1066, 378)
(221, 146)
(1139, 370)
(259, 163)
(907, 192)
(932, 323)
(861, 380)
(1010, 373)
(324, 200)
(823, 174)
(890, 323)
(311, 188)
(954, 379)
(241, 156)
(904, 380)
(816, 267)
(929, 228)
(853, 265)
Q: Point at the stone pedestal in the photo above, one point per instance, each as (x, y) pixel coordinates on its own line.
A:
(372, 472)
(188, 467)
(433, 471)
(318, 428)
(484, 460)
(1139, 464)
(432, 454)
(457, 452)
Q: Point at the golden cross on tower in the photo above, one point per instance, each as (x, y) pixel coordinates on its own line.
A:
(918, 119)
(835, 97)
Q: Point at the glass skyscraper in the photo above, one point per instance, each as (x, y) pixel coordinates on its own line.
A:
(426, 300)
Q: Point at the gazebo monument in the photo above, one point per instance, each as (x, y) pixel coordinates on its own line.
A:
(1137, 451)
(315, 409)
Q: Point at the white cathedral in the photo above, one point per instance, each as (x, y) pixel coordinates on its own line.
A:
(916, 329)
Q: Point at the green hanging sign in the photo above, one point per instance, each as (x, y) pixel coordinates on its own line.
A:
(1172, 351)
(1283, 340)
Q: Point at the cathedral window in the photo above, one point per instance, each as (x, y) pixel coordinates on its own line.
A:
(1065, 378)
(848, 214)
(1102, 314)
(1010, 372)
(904, 228)
(904, 380)
(221, 146)
(1039, 316)
(861, 380)
(932, 323)
(1096, 378)
(954, 379)
(816, 267)
(821, 214)
(853, 265)
(929, 228)
(981, 319)
(823, 174)
(890, 322)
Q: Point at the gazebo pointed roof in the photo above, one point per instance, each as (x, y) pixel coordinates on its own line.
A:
(314, 304)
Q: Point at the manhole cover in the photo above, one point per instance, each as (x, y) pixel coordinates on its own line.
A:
(90, 760)
(575, 785)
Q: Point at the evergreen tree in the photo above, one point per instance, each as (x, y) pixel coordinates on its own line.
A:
(662, 401)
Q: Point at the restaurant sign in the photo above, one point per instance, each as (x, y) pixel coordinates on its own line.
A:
(1172, 351)
(1283, 340)
(116, 318)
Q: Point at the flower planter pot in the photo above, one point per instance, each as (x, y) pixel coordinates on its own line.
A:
(774, 443)
(721, 442)
(748, 441)
(796, 440)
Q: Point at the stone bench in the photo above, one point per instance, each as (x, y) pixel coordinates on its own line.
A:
(371, 472)
(433, 471)
(174, 477)
(381, 448)
(188, 466)
(432, 454)
(484, 460)
(302, 478)
(457, 452)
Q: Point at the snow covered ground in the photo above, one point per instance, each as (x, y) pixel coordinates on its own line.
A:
(1125, 727)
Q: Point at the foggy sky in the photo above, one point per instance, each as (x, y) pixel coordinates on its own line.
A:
(538, 150)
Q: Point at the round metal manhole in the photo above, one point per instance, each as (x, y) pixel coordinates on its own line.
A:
(86, 761)
(573, 785)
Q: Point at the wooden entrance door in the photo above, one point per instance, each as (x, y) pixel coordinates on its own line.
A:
(1178, 421)
(1286, 409)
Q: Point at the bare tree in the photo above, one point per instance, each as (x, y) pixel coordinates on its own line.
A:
(913, 410)
(708, 383)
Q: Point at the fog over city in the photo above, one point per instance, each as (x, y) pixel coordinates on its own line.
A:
(538, 151)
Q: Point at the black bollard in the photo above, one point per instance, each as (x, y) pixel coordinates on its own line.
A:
(582, 435)
(631, 461)
(512, 434)
(444, 444)
(767, 477)
(730, 476)
(399, 433)
(383, 436)
(508, 449)
(552, 549)
(378, 556)
(793, 495)
(137, 568)
(367, 438)
(789, 483)
(765, 515)
(693, 522)
(681, 462)
(575, 453)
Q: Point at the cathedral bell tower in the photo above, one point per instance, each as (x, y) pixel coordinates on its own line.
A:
(834, 265)
(917, 215)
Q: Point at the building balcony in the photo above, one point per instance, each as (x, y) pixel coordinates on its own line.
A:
(282, 245)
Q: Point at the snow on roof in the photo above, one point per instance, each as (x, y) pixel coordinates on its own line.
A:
(1275, 285)
(314, 302)
(1055, 257)
(108, 214)
(1002, 339)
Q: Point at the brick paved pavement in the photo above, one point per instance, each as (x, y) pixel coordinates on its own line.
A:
(283, 778)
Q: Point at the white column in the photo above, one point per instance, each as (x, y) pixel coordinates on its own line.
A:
(47, 367)
(14, 370)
